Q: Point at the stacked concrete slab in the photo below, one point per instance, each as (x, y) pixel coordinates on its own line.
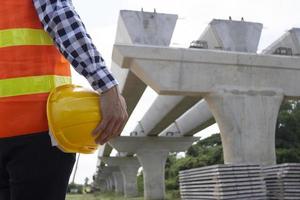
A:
(223, 182)
(283, 181)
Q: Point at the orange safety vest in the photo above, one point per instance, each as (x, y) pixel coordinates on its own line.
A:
(30, 66)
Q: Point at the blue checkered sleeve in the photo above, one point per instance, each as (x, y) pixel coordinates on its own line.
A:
(65, 27)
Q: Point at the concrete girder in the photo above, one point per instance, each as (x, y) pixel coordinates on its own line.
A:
(193, 120)
(152, 153)
(164, 110)
(231, 35)
(287, 44)
(243, 90)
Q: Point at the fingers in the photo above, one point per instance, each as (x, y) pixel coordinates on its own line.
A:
(114, 116)
(109, 129)
(106, 133)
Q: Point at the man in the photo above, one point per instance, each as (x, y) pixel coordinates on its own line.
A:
(30, 65)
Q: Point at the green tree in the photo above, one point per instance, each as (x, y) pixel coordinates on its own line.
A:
(288, 132)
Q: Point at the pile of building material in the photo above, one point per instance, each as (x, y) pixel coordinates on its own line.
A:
(283, 181)
(223, 182)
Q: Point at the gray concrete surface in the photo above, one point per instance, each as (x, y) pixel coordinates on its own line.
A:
(152, 153)
(208, 70)
(136, 27)
(230, 35)
(196, 118)
(119, 182)
(129, 168)
(243, 90)
(288, 41)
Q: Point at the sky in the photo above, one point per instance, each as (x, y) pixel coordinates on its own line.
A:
(101, 17)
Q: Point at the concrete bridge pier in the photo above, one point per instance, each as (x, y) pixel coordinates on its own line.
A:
(152, 153)
(119, 183)
(153, 162)
(247, 121)
(129, 167)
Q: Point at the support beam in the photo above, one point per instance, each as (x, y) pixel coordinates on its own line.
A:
(193, 120)
(152, 153)
(164, 110)
(129, 168)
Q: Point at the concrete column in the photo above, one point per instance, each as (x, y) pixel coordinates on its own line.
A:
(108, 184)
(153, 162)
(119, 183)
(130, 176)
(111, 182)
(129, 167)
(152, 153)
(247, 121)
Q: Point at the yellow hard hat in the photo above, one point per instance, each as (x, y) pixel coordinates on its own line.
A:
(73, 113)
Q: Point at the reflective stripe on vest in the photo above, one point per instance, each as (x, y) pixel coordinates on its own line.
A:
(31, 85)
(23, 36)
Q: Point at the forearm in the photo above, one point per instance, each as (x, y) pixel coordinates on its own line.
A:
(69, 34)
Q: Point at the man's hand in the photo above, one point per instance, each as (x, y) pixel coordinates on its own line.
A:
(114, 116)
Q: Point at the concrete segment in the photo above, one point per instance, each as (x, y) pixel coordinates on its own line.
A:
(159, 109)
(174, 113)
(152, 153)
(289, 41)
(129, 167)
(232, 35)
(193, 120)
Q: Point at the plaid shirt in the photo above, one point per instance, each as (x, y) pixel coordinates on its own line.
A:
(69, 34)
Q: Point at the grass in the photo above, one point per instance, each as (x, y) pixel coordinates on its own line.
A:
(173, 195)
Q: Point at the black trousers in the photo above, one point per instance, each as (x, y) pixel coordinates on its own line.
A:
(31, 169)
